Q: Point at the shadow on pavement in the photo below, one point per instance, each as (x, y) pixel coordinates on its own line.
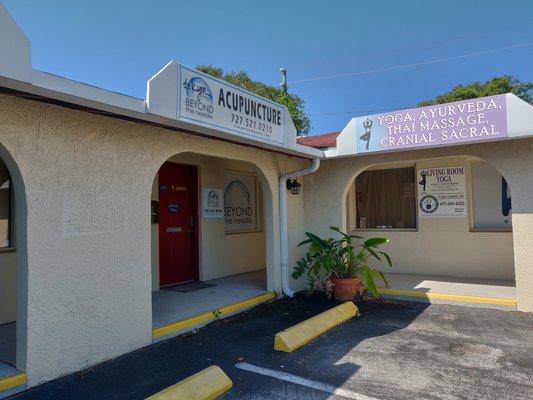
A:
(326, 359)
(247, 337)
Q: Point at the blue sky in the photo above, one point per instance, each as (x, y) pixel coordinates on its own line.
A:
(119, 44)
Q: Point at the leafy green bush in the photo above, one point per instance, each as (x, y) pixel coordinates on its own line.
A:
(341, 258)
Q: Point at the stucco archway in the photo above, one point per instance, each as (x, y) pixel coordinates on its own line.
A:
(474, 241)
(18, 249)
(225, 258)
(326, 200)
(269, 205)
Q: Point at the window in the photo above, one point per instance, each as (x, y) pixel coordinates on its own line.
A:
(491, 198)
(385, 199)
(5, 207)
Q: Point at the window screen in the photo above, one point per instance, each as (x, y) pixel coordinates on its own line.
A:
(386, 199)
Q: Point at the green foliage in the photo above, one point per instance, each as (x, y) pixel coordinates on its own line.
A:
(498, 85)
(341, 258)
(294, 104)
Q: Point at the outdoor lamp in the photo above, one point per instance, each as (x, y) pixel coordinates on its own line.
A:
(293, 186)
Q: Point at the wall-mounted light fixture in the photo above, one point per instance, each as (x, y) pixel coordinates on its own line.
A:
(293, 186)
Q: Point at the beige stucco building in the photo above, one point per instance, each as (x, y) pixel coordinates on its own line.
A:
(105, 198)
(451, 247)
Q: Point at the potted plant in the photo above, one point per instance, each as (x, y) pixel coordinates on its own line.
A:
(343, 262)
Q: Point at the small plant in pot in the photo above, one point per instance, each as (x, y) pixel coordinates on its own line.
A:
(343, 262)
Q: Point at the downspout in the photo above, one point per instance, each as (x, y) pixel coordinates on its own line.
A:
(284, 235)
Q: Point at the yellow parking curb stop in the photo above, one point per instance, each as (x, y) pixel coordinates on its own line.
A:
(207, 384)
(298, 335)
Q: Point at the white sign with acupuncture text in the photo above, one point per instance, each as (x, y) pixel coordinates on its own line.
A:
(218, 104)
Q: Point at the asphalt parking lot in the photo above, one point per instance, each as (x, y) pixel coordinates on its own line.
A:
(392, 351)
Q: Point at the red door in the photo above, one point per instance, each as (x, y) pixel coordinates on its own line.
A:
(178, 233)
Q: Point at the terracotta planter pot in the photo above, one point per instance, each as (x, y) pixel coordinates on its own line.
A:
(346, 289)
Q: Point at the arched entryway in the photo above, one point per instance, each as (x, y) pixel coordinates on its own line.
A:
(13, 270)
(209, 235)
(449, 224)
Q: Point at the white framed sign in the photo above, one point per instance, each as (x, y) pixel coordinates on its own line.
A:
(441, 192)
(216, 103)
(240, 202)
(213, 203)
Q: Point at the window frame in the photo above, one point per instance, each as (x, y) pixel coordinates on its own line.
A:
(470, 194)
(414, 166)
(10, 221)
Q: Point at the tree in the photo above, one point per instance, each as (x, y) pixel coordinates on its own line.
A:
(498, 85)
(294, 103)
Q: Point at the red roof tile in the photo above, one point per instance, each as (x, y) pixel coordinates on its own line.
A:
(320, 141)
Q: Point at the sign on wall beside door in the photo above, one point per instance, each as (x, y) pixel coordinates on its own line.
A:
(441, 192)
(213, 203)
(240, 202)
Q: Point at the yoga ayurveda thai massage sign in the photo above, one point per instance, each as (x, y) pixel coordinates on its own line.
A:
(441, 192)
(466, 121)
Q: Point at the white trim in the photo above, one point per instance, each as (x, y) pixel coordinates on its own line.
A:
(118, 104)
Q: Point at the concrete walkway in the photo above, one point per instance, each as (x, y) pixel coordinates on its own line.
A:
(8, 336)
(169, 306)
(8, 351)
(498, 289)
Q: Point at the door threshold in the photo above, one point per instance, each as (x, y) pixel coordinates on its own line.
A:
(177, 283)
